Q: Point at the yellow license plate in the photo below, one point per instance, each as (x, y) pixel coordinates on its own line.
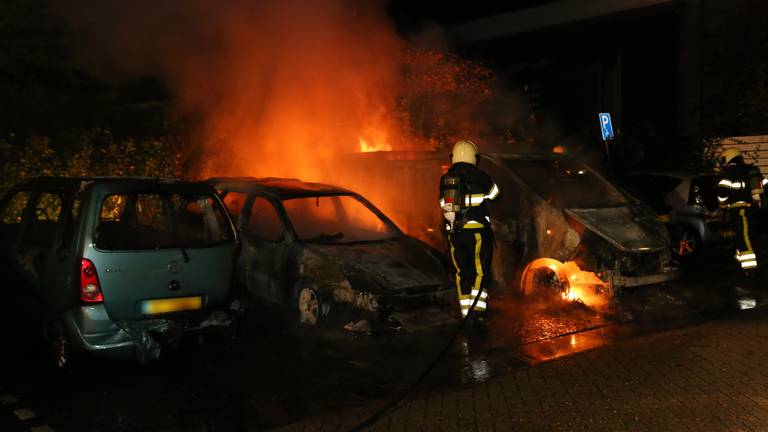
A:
(159, 306)
(664, 218)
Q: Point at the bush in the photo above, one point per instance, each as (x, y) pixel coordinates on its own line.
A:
(87, 153)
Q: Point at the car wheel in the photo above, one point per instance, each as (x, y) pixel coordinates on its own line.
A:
(541, 278)
(686, 242)
(309, 306)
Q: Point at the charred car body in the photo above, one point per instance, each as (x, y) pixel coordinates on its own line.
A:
(559, 225)
(326, 254)
(690, 203)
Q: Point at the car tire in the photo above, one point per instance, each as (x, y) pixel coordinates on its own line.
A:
(542, 281)
(686, 242)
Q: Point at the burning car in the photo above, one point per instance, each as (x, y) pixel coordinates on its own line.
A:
(326, 254)
(561, 227)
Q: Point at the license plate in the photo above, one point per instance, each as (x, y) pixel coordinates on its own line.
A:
(159, 306)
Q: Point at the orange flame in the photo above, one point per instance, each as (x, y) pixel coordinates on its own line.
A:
(574, 283)
(366, 147)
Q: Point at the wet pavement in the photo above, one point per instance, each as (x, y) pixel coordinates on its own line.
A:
(278, 375)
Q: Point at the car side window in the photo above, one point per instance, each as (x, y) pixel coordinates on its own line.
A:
(41, 229)
(263, 221)
(11, 215)
(234, 201)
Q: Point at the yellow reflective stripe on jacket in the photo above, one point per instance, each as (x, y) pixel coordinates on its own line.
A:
(473, 224)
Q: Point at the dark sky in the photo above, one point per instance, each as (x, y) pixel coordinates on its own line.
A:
(410, 16)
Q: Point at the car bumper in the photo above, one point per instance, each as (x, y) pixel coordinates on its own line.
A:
(91, 330)
(635, 281)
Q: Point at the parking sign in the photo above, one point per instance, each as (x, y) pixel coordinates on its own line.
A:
(605, 126)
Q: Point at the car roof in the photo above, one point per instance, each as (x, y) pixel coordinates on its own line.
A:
(283, 188)
(78, 181)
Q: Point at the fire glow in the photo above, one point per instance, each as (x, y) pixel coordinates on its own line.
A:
(572, 283)
(290, 88)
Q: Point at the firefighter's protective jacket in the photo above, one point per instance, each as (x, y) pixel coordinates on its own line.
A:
(741, 184)
(480, 190)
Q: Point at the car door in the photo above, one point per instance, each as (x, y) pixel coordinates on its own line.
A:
(12, 211)
(513, 227)
(264, 251)
(35, 254)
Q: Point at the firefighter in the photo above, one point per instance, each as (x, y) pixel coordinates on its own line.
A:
(738, 191)
(464, 193)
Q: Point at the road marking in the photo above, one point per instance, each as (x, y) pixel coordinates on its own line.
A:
(7, 399)
(24, 414)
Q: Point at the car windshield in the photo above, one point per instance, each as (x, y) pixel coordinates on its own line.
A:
(336, 219)
(130, 221)
(566, 183)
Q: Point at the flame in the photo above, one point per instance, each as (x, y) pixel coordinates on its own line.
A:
(366, 147)
(289, 88)
(575, 284)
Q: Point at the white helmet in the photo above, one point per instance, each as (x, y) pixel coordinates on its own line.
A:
(464, 151)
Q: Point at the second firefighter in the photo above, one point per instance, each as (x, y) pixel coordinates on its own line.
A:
(740, 190)
(464, 193)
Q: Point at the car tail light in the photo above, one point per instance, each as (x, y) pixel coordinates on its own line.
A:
(90, 290)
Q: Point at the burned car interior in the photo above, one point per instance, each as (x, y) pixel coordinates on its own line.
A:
(326, 254)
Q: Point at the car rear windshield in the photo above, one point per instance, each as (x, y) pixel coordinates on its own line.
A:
(566, 183)
(130, 221)
(336, 219)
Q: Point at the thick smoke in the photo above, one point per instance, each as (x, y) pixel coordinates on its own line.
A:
(282, 85)
(290, 88)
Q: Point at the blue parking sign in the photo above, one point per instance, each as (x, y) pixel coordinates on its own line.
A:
(605, 126)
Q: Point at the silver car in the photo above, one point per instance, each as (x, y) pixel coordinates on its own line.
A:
(114, 266)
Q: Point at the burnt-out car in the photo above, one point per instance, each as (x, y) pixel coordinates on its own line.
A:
(559, 225)
(688, 204)
(326, 254)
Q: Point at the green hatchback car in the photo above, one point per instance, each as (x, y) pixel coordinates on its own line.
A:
(120, 267)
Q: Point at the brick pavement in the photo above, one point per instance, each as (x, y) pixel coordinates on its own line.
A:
(710, 377)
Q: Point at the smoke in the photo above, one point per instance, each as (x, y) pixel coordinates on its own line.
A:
(290, 88)
(282, 85)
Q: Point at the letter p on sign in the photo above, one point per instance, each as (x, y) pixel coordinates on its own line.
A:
(605, 126)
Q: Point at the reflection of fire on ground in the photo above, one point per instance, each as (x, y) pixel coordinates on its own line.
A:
(564, 281)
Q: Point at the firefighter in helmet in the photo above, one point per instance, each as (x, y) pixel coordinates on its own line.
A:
(464, 193)
(740, 189)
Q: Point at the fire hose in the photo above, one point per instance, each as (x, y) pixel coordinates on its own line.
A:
(389, 406)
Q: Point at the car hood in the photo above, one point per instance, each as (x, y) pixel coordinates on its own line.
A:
(630, 229)
(401, 264)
